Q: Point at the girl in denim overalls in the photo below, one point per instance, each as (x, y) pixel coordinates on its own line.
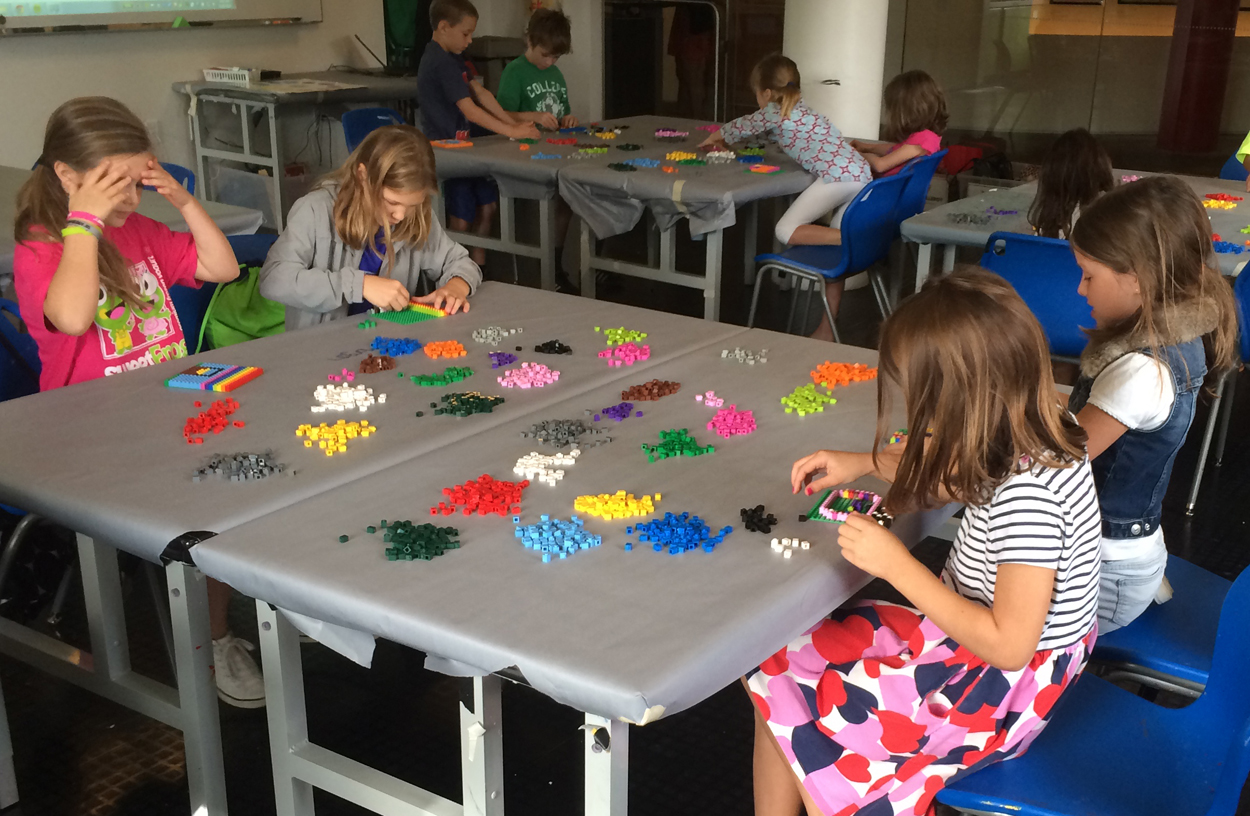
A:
(1165, 322)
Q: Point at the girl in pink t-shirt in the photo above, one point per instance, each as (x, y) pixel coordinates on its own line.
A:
(915, 111)
(93, 277)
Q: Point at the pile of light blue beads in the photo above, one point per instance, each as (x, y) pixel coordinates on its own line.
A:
(679, 533)
(555, 536)
(642, 162)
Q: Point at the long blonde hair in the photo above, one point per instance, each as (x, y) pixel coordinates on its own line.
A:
(778, 74)
(398, 157)
(974, 368)
(1157, 229)
(80, 133)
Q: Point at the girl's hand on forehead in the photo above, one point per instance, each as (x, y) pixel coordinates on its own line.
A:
(99, 190)
(871, 547)
(158, 178)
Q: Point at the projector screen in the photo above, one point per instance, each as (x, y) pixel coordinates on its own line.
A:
(124, 15)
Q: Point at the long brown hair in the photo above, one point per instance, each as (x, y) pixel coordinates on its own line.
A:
(1157, 229)
(913, 102)
(398, 157)
(81, 133)
(778, 74)
(1075, 171)
(974, 368)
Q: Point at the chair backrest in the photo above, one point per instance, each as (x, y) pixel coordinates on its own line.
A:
(357, 124)
(868, 225)
(1241, 291)
(919, 174)
(1045, 274)
(19, 356)
(1234, 170)
(181, 175)
(251, 250)
(1223, 710)
(191, 305)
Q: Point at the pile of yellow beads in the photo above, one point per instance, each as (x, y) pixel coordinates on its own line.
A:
(1219, 205)
(680, 155)
(333, 438)
(618, 505)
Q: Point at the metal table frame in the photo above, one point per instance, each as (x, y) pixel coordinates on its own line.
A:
(105, 670)
(544, 251)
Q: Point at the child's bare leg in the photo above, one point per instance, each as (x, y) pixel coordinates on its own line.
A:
(833, 291)
(778, 791)
(482, 226)
(814, 234)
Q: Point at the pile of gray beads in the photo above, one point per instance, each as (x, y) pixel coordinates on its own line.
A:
(240, 467)
(493, 334)
(562, 433)
(741, 355)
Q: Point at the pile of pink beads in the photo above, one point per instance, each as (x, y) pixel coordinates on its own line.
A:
(709, 399)
(347, 374)
(732, 422)
(529, 375)
(626, 354)
(668, 133)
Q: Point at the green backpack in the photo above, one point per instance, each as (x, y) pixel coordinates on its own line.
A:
(237, 312)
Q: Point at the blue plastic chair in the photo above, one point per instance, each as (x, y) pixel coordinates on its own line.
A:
(1108, 752)
(181, 175)
(1170, 645)
(192, 304)
(19, 357)
(919, 172)
(868, 229)
(251, 250)
(1044, 272)
(1234, 170)
(1222, 404)
(357, 124)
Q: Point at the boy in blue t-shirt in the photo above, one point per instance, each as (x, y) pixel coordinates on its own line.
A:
(449, 99)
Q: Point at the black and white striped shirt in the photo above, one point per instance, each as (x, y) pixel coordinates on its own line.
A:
(1047, 517)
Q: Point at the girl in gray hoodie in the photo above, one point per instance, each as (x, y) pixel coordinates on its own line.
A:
(364, 238)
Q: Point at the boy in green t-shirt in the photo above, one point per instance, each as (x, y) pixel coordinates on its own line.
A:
(532, 89)
(531, 85)
(1243, 156)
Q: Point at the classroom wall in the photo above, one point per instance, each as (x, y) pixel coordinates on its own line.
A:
(139, 67)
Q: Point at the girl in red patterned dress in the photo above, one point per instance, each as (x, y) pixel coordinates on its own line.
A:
(874, 709)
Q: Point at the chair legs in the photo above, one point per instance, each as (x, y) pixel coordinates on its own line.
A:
(815, 282)
(1212, 420)
(1225, 415)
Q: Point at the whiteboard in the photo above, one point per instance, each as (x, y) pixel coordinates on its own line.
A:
(55, 16)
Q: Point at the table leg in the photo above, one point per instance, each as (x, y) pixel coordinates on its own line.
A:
(607, 767)
(924, 262)
(948, 257)
(481, 748)
(8, 777)
(750, 240)
(711, 290)
(279, 212)
(197, 692)
(588, 271)
(285, 709)
(106, 622)
(547, 239)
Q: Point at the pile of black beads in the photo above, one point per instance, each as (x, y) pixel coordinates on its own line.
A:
(553, 347)
(757, 520)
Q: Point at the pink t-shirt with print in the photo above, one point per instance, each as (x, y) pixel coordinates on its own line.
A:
(926, 140)
(121, 339)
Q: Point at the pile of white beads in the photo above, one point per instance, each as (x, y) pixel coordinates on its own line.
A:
(538, 467)
(786, 546)
(344, 398)
(741, 355)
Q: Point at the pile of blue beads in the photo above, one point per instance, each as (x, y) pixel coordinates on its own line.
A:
(1228, 247)
(679, 533)
(555, 536)
(642, 162)
(395, 346)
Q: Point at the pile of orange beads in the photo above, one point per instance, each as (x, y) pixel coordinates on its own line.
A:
(830, 374)
(444, 348)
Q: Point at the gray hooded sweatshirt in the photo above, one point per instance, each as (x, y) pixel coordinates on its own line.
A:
(317, 276)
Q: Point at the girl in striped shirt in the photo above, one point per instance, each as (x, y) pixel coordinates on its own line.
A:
(877, 707)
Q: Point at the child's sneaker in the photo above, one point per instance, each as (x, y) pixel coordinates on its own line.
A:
(239, 681)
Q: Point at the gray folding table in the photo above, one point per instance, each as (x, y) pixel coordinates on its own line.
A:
(611, 202)
(939, 227)
(627, 637)
(107, 458)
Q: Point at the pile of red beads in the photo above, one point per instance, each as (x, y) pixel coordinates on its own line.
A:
(732, 422)
(529, 375)
(213, 420)
(1222, 197)
(482, 496)
(626, 354)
